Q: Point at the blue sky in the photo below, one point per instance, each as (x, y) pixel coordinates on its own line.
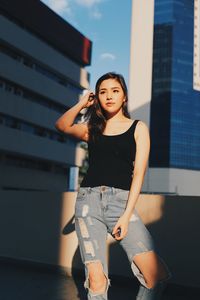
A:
(107, 24)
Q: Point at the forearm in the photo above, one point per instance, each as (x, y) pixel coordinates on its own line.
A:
(68, 118)
(134, 193)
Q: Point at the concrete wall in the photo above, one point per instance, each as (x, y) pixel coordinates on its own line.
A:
(39, 227)
(21, 178)
(173, 180)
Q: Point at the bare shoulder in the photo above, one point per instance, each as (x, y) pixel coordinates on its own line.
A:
(141, 130)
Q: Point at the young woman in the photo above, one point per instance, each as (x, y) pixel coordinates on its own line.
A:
(118, 155)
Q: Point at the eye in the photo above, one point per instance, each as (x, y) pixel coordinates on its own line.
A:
(102, 92)
(116, 91)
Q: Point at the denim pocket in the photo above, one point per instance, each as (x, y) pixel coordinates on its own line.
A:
(81, 195)
(122, 195)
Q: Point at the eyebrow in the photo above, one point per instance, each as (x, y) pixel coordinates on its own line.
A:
(113, 88)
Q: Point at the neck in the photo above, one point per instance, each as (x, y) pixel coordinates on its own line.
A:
(115, 117)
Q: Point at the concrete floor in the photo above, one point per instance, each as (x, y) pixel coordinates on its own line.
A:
(25, 282)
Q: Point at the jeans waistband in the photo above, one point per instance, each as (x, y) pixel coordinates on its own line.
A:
(103, 188)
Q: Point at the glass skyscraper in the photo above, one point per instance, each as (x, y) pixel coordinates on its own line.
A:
(175, 105)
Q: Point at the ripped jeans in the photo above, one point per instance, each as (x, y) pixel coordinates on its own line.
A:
(97, 210)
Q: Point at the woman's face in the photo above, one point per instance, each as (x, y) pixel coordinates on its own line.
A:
(111, 96)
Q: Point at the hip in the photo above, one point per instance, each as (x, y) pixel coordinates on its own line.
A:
(102, 202)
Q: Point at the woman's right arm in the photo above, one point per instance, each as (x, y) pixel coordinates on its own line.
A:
(66, 122)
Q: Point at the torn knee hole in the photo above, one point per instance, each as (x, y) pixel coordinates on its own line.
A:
(160, 273)
(97, 287)
(97, 281)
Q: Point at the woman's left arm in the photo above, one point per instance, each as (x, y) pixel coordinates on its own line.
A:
(141, 159)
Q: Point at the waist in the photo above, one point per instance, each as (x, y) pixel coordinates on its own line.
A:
(112, 177)
(103, 189)
(115, 182)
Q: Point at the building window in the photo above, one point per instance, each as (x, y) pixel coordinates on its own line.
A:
(31, 63)
(12, 122)
(30, 163)
(9, 51)
(8, 87)
(36, 130)
(27, 127)
(28, 63)
(1, 119)
(40, 131)
(1, 83)
(17, 90)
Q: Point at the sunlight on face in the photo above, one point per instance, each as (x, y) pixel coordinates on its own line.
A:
(111, 95)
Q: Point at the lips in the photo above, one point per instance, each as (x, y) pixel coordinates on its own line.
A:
(110, 103)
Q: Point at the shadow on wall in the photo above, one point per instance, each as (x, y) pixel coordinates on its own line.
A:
(39, 227)
(177, 236)
(173, 222)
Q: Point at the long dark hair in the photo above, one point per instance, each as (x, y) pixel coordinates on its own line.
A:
(95, 114)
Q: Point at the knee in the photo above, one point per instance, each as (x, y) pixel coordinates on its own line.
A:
(97, 280)
(154, 278)
(97, 283)
(152, 282)
(151, 267)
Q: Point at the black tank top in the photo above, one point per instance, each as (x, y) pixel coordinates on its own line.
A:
(111, 160)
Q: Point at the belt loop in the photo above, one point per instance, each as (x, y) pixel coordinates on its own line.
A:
(102, 188)
(113, 190)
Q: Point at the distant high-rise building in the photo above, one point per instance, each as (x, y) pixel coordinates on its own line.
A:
(42, 74)
(196, 74)
(174, 107)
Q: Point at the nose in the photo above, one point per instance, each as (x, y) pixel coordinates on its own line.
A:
(109, 97)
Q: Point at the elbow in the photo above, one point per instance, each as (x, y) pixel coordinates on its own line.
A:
(59, 126)
(56, 125)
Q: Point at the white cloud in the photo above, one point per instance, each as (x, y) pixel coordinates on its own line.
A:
(95, 14)
(108, 56)
(67, 8)
(59, 6)
(92, 6)
(88, 3)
